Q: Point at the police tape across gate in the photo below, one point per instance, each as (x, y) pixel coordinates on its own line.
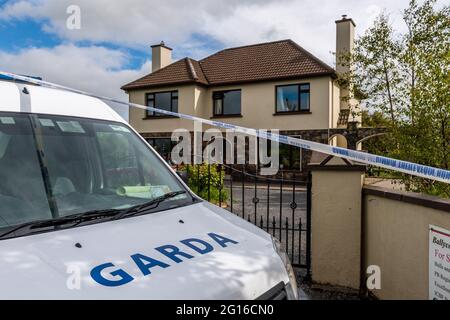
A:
(359, 156)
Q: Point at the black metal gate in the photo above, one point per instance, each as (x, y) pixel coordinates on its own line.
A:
(279, 205)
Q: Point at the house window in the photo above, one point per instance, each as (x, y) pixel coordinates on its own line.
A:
(290, 157)
(293, 98)
(227, 103)
(163, 146)
(162, 100)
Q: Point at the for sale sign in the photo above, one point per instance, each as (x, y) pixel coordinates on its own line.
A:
(439, 264)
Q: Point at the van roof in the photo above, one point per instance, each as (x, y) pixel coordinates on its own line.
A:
(3, 77)
(37, 99)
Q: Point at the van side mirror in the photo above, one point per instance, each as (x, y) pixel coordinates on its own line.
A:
(184, 176)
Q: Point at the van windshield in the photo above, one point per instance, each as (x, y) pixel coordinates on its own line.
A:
(54, 166)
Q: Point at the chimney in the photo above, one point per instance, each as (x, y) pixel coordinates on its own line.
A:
(345, 36)
(161, 56)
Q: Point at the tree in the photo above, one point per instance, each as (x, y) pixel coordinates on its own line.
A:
(378, 144)
(406, 78)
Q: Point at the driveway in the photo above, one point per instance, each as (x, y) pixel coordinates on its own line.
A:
(273, 208)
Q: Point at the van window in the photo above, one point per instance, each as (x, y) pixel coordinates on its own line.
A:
(119, 159)
(53, 166)
(22, 191)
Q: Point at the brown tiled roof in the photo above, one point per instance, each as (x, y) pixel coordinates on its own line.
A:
(183, 71)
(266, 61)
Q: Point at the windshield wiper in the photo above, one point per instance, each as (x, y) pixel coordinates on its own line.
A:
(17, 228)
(85, 216)
(115, 213)
(148, 205)
(94, 214)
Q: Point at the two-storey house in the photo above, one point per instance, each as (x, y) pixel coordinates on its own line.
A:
(274, 85)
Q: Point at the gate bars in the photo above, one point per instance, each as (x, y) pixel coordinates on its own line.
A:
(289, 220)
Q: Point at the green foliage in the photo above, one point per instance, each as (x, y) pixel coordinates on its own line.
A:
(379, 144)
(405, 79)
(199, 178)
(374, 120)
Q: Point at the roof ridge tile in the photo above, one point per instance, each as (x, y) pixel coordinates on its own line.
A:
(269, 61)
(191, 69)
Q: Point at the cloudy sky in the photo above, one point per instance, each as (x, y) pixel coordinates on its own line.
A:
(112, 47)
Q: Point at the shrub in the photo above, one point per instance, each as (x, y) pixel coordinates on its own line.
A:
(198, 182)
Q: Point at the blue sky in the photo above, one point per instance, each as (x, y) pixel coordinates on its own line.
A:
(16, 35)
(113, 45)
(20, 34)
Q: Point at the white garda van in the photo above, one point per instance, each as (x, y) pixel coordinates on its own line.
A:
(88, 210)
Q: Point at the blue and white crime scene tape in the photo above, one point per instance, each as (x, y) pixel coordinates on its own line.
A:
(358, 156)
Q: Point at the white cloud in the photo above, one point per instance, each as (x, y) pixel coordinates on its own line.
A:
(128, 22)
(93, 69)
(308, 22)
(183, 25)
(139, 23)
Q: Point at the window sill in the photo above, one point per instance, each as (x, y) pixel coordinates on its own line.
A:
(159, 117)
(287, 113)
(227, 116)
